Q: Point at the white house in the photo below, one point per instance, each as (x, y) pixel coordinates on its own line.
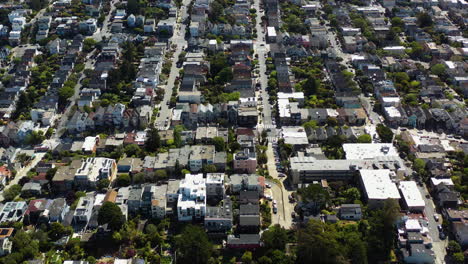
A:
(191, 203)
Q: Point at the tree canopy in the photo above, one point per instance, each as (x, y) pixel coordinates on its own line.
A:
(385, 133)
(193, 246)
(110, 213)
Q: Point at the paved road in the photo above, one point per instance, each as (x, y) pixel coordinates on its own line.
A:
(105, 30)
(64, 117)
(178, 39)
(279, 193)
(22, 172)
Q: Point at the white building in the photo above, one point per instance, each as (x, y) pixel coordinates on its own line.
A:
(294, 135)
(412, 196)
(89, 145)
(94, 169)
(378, 186)
(191, 203)
(369, 151)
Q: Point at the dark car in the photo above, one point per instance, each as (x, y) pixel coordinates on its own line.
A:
(442, 235)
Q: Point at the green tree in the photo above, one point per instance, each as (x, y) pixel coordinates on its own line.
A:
(458, 258)
(89, 44)
(365, 138)
(110, 214)
(154, 140)
(453, 247)
(210, 168)
(317, 243)
(316, 194)
(352, 194)
(132, 150)
(247, 257)
(419, 165)
(161, 175)
(380, 238)
(219, 143)
(424, 20)
(275, 237)
(123, 180)
(11, 193)
(438, 69)
(193, 246)
(139, 178)
(103, 184)
(57, 231)
(385, 133)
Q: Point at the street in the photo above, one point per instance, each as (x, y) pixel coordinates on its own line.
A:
(279, 193)
(24, 171)
(178, 39)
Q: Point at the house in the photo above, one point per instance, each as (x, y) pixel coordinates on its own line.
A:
(5, 243)
(445, 197)
(129, 165)
(191, 203)
(249, 218)
(201, 156)
(31, 189)
(24, 129)
(247, 182)
(350, 212)
(172, 193)
(83, 210)
(418, 254)
(244, 241)
(5, 175)
(158, 203)
(90, 144)
(249, 197)
(64, 177)
(215, 186)
(134, 200)
(245, 161)
(219, 218)
(57, 210)
(149, 26)
(35, 210)
(94, 169)
(13, 211)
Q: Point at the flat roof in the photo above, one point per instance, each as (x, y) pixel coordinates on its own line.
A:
(444, 181)
(369, 151)
(378, 185)
(411, 194)
(271, 31)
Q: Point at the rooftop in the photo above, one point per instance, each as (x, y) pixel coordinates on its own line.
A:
(378, 185)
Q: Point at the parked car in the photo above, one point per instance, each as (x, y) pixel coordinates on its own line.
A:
(436, 217)
(439, 227)
(268, 185)
(274, 203)
(275, 210)
(442, 235)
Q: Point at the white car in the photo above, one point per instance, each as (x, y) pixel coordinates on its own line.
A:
(274, 203)
(268, 185)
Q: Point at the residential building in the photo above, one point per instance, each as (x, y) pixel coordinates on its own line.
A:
(219, 218)
(350, 212)
(411, 196)
(191, 203)
(13, 211)
(215, 186)
(378, 187)
(84, 210)
(94, 169)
